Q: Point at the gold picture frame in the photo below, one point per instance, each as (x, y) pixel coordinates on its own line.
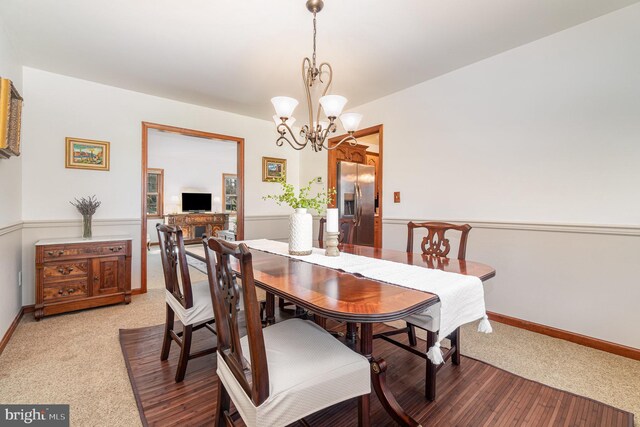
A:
(86, 154)
(10, 119)
(273, 169)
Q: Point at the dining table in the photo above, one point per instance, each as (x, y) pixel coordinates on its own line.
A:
(351, 298)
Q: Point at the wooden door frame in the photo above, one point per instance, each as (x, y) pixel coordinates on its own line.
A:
(331, 158)
(145, 152)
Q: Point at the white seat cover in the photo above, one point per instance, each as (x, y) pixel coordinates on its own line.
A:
(202, 310)
(428, 319)
(309, 370)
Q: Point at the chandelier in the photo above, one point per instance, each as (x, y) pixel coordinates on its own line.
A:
(315, 132)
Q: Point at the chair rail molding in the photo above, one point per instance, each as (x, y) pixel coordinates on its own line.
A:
(17, 226)
(615, 230)
(280, 217)
(102, 222)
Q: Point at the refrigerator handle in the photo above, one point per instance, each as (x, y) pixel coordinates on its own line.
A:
(355, 202)
(358, 205)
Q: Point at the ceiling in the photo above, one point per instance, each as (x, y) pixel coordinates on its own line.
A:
(235, 55)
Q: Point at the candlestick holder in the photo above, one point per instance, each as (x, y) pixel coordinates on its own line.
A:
(331, 244)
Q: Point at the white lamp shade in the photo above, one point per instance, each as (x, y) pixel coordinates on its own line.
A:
(333, 104)
(351, 121)
(284, 105)
(290, 121)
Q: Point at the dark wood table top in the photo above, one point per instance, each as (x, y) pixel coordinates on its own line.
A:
(344, 296)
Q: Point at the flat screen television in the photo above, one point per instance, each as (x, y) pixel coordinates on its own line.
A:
(196, 202)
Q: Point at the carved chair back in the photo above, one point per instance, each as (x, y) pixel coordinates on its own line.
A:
(435, 243)
(346, 227)
(225, 295)
(173, 259)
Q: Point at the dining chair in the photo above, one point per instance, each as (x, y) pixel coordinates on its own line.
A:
(435, 249)
(346, 227)
(191, 303)
(282, 373)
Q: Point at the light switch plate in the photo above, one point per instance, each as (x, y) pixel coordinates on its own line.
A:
(396, 197)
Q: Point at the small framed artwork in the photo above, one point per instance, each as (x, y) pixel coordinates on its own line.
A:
(273, 169)
(10, 119)
(87, 154)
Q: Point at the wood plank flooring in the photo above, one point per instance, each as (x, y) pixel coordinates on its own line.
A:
(472, 394)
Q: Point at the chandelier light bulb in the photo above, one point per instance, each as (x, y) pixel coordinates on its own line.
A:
(350, 121)
(333, 104)
(284, 106)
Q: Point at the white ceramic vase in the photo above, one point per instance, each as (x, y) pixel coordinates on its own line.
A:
(300, 232)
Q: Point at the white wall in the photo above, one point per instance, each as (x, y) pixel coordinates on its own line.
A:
(10, 169)
(190, 164)
(60, 106)
(545, 133)
(10, 204)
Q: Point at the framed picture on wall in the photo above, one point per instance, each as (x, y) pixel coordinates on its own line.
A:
(273, 169)
(10, 119)
(87, 154)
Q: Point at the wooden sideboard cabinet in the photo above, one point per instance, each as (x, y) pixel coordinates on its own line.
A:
(194, 225)
(74, 274)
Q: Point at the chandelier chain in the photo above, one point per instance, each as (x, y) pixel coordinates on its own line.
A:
(314, 40)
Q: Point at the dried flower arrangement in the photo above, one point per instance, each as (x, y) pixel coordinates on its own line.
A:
(87, 206)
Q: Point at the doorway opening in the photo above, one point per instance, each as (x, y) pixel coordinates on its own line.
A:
(192, 179)
(368, 152)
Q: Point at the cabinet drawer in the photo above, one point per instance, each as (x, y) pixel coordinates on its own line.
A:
(79, 250)
(63, 270)
(65, 290)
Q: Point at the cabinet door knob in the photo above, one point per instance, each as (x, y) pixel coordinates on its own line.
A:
(69, 270)
(50, 253)
(60, 252)
(60, 292)
(61, 270)
(71, 290)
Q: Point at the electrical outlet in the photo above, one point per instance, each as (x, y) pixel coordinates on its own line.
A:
(319, 180)
(396, 197)
(19, 279)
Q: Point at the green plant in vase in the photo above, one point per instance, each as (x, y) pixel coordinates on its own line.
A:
(303, 200)
(301, 222)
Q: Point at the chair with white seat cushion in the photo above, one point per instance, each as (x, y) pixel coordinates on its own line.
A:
(277, 375)
(191, 303)
(435, 248)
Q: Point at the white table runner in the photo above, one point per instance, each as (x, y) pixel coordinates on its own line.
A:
(461, 297)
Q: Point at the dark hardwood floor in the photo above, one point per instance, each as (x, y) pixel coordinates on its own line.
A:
(473, 394)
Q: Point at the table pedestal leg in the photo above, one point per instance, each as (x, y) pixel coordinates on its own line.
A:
(379, 381)
(271, 309)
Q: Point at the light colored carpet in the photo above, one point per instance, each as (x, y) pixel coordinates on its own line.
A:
(75, 358)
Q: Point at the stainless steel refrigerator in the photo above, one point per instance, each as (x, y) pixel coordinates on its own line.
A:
(355, 197)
